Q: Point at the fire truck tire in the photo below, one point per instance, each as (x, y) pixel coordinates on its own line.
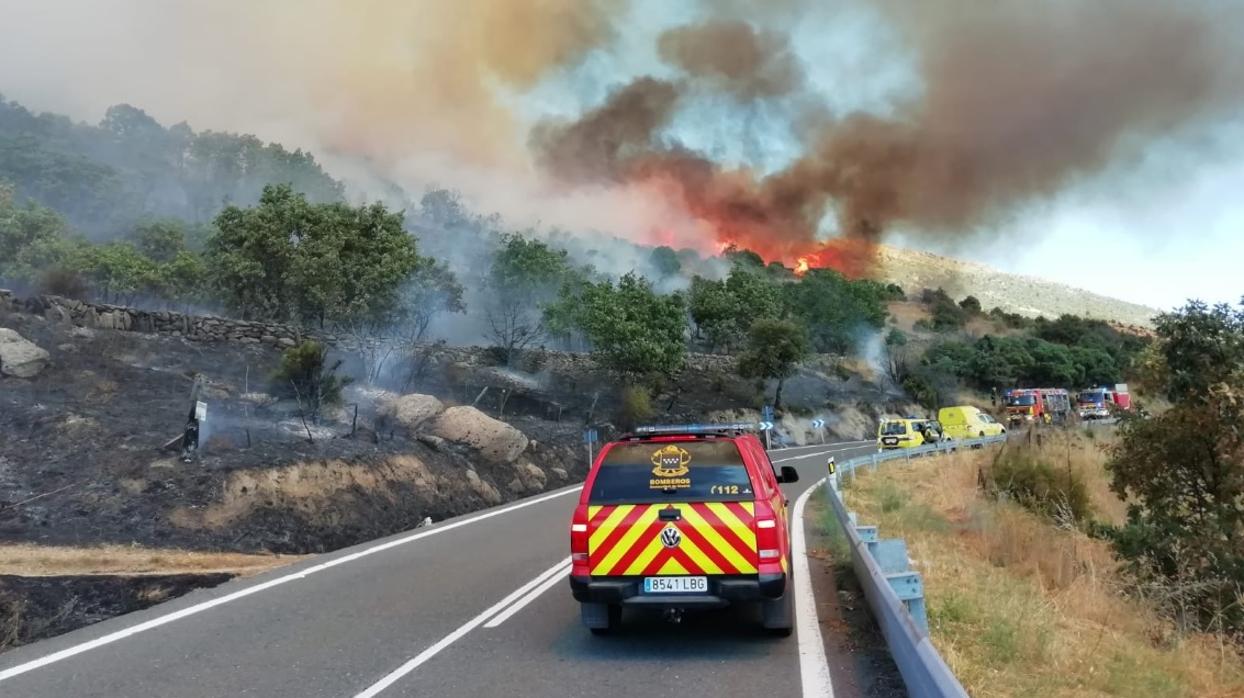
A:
(778, 615)
(601, 618)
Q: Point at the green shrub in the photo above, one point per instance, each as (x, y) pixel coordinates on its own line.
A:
(1039, 486)
(636, 407)
(304, 374)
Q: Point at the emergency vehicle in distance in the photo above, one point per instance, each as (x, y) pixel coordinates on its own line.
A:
(683, 517)
(1047, 405)
(1102, 403)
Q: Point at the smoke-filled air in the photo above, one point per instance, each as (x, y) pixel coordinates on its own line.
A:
(709, 125)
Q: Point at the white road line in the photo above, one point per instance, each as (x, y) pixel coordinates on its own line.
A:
(403, 670)
(813, 666)
(531, 596)
(242, 593)
(815, 454)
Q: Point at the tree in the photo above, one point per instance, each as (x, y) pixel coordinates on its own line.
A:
(120, 273)
(290, 260)
(744, 258)
(665, 261)
(725, 310)
(525, 275)
(159, 241)
(633, 330)
(971, 305)
(774, 350)
(1183, 469)
(32, 238)
(835, 310)
(431, 290)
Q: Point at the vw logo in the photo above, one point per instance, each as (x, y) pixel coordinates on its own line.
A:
(670, 537)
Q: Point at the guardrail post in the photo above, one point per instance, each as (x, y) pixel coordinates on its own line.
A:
(891, 557)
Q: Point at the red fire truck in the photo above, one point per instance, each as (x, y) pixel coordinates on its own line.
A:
(1046, 405)
(1102, 403)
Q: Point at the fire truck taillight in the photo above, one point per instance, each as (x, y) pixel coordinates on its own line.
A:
(579, 539)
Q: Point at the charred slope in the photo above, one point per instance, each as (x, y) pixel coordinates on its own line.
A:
(81, 459)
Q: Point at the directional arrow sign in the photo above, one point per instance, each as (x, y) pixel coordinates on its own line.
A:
(818, 423)
(766, 426)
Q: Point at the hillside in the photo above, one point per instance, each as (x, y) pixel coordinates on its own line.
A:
(1026, 295)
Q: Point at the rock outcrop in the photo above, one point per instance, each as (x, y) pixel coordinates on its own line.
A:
(410, 411)
(494, 440)
(20, 357)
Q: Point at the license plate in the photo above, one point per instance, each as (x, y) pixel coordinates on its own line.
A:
(890, 442)
(675, 585)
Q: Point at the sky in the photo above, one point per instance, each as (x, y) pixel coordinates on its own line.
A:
(429, 92)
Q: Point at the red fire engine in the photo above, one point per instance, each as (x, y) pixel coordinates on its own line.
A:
(1101, 403)
(1037, 405)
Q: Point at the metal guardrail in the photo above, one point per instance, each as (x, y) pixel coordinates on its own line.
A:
(895, 593)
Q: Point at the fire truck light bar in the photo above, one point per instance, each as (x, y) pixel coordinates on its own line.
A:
(695, 428)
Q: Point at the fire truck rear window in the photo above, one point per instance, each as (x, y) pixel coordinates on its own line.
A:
(676, 471)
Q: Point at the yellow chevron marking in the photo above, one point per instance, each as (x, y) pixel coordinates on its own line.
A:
(652, 549)
(629, 539)
(606, 527)
(592, 510)
(672, 566)
(722, 546)
(704, 562)
(744, 532)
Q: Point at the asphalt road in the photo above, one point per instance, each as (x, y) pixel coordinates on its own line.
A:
(474, 606)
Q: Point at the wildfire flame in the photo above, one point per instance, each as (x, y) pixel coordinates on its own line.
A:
(801, 266)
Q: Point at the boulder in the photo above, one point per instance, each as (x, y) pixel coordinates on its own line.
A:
(494, 440)
(486, 491)
(57, 314)
(20, 357)
(410, 410)
(530, 475)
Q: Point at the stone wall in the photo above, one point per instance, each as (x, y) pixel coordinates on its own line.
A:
(210, 328)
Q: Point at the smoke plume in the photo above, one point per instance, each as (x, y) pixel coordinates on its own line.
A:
(734, 56)
(1018, 100)
(1011, 101)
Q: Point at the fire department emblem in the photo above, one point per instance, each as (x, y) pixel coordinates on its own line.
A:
(670, 461)
(670, 536)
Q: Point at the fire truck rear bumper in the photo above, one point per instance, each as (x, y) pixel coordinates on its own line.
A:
(722, 591)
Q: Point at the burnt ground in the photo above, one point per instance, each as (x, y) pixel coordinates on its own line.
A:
(81, 459)
(32, 608)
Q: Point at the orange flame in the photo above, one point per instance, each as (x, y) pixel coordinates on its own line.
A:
(801, 266)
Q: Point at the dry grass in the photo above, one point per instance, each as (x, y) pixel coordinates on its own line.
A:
(47, 561)
(1018, 606)
(303, 486)
(1083, 453)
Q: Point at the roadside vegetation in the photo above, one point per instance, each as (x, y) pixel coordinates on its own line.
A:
(1024, 602)
(963, 349)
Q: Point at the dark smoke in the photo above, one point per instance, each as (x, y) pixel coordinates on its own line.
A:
(598, 146)
(734, 56)
(1019, 100)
